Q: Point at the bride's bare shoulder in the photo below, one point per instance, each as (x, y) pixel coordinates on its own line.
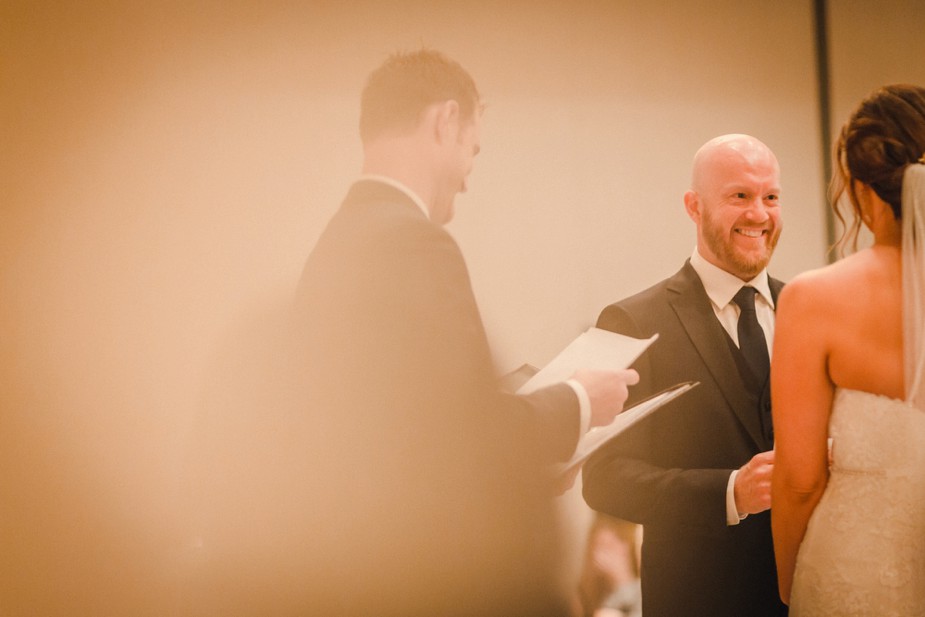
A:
(824, 288)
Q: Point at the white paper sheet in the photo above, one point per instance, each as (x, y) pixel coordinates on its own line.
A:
(593, 349)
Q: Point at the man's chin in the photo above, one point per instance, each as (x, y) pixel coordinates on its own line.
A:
(750, 268)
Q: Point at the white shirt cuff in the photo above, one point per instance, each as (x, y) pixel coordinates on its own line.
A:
(584, 406)
(732, 513)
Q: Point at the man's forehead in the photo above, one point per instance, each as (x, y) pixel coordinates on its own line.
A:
(749, 177)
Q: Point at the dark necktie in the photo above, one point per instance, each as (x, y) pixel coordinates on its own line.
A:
(751, 337)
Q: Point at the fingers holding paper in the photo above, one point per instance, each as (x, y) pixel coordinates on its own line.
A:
(607, 391)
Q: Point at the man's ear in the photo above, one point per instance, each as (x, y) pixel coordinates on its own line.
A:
(692, 205)
(447, 121)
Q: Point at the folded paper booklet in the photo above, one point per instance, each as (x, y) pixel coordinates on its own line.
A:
(598, 436)
(594, 349)
(601, 349)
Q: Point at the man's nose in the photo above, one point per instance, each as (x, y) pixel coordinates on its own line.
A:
(756, 211)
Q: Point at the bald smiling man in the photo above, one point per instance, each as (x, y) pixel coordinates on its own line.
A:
(697, 475)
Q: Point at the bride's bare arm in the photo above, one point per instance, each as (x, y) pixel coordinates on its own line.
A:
(802, 395)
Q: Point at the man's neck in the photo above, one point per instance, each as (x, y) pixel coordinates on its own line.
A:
(402, 160)
(400, 187)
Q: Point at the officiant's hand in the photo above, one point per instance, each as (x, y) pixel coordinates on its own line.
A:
(752, 488)
(607, 390)
(564, 483)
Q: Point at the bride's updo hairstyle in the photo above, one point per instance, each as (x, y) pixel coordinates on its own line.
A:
(884, 135)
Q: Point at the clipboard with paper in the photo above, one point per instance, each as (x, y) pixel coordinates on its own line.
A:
(598, 436)
(601, 349)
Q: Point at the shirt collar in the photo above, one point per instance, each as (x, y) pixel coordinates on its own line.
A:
(721, 286)
(401, 187)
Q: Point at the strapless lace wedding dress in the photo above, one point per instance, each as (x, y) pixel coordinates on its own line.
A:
(864, 549)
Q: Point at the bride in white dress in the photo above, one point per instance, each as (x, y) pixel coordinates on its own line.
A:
(849, 358)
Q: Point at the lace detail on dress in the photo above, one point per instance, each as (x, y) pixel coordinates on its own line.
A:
(864, 549)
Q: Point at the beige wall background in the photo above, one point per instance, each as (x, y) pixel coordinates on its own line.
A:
(871, 45)
(165, 168)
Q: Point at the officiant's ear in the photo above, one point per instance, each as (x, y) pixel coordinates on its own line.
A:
(447, 124)
(692, 205)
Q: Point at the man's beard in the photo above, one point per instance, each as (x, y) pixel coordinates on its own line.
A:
(747, 265)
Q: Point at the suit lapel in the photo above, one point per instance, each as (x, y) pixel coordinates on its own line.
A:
(695, 312)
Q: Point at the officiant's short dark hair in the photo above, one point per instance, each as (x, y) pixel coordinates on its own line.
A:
(399, 90)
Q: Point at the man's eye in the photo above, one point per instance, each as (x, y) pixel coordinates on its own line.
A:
(740, 195)
(772, 197)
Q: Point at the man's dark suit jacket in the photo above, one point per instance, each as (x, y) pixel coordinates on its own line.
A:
(670, 472)
(386, 294)
(444, 466)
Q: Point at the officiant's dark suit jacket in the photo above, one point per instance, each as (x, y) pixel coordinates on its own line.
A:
(386, 296)
(670, 472)
(396, 357)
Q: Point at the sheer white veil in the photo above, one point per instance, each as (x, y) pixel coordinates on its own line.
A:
(913, 260)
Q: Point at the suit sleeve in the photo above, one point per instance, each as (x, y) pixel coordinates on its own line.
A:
(542, 426)
(630, 477)
(547, 421)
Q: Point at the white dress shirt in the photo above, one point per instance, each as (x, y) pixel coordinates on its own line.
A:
(721, 287)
